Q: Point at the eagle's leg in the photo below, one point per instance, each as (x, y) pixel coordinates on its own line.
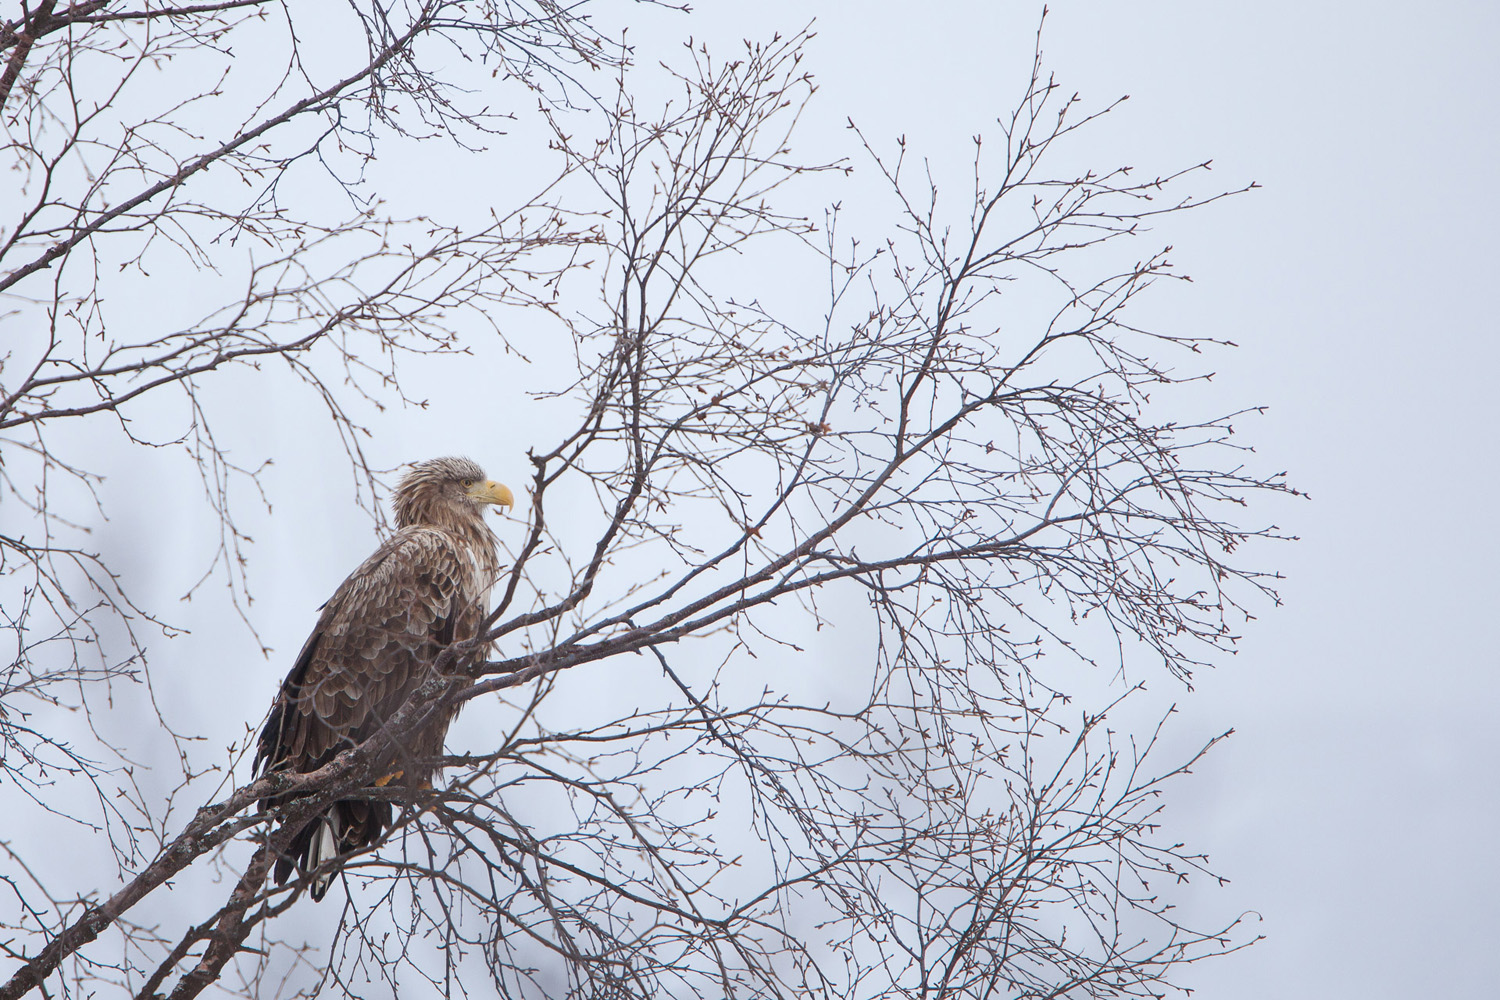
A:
(426, 784)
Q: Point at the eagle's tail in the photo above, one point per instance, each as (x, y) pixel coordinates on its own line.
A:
(321, 847)
(349, 825)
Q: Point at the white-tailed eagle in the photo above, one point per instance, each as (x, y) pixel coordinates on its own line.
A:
(425, 588)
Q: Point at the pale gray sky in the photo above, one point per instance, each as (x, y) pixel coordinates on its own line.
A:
(1355, 808)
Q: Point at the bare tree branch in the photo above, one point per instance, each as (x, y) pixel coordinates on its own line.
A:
(964, 463)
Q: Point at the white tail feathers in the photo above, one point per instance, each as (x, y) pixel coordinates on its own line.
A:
(324, 845)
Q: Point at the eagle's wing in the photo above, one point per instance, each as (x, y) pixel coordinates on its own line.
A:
(371, 646)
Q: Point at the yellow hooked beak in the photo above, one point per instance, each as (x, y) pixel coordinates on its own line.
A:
(490, 491)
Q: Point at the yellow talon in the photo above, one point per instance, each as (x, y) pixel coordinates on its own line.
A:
(382, 782)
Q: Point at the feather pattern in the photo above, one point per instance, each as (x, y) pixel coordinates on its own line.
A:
(375, 642)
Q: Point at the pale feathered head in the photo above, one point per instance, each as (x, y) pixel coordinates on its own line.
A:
(437, 490)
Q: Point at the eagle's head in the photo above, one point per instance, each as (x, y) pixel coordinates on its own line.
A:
(436, 491)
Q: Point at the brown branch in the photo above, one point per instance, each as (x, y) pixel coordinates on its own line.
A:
(62, 247)
(229, 934)
(986, 483)
(23, 35)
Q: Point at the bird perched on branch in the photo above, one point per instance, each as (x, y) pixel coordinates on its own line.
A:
(376, 641)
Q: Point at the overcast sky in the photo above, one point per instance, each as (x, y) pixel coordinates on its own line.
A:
(1356, 808)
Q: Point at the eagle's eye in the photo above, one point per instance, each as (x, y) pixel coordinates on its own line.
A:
(468, 483)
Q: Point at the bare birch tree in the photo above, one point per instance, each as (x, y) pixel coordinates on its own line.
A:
(964, 468)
